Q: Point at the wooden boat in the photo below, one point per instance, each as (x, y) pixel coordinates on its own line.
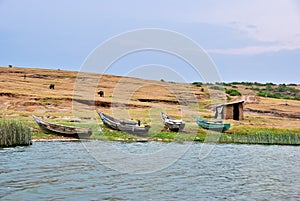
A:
(67, 131)
(130, 127)
(216, 125)
(113, 122)
(171, 123)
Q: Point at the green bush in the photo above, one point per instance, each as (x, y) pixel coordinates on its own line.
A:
(281, 92)
(215, 87)
(197, 84)
(233, 92)
(292, 84)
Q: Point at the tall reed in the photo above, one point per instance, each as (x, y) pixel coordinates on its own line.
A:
(14, 133)
(270, 138)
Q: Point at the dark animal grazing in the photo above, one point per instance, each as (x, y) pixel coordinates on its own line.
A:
(101, 93)
(51, 86)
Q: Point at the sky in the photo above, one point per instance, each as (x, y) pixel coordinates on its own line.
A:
(249, 40)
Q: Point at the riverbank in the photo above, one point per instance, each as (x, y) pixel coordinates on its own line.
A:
(265, 119)
(244, 136)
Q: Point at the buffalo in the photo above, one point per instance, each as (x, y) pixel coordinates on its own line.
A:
(101, 93)
(51, 86)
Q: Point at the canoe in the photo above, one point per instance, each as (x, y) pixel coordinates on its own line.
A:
(66, 131)
(113, 122)
(171, 123)
(135, 130)
(130, 127)
(216, 125)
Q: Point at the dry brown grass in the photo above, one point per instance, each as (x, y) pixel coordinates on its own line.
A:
(142, 98)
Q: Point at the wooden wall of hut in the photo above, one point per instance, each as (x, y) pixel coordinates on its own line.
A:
(232, 111)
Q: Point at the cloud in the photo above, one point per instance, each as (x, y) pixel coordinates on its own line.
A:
(265, 21)
(254, 50)
(272, 26)
(256, 22)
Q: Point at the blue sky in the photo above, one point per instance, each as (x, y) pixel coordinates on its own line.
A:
(247, 40)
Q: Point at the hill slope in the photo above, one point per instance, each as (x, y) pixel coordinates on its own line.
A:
(21, 96)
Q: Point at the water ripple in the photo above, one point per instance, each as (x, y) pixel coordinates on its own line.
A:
(66, 171)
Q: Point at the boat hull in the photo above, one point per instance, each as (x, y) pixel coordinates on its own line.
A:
(172, 124)
(212, 125)
(66, 131)
(129, 127)
(135, 130)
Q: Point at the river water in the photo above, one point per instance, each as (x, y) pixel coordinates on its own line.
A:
(69, 171)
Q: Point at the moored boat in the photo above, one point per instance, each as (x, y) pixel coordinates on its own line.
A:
(171, 123)
(216, 125)
(66, 131)
(130, 127)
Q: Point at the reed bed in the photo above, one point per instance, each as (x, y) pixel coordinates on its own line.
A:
(14, 133)
(268, 138)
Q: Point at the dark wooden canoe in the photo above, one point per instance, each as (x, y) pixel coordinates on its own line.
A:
(171, 123)
(113, 122)
(130, 127)
(216, 125)
(67, 131)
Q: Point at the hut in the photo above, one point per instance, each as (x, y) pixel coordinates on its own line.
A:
(230, 111)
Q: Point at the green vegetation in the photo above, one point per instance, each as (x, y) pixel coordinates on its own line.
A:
(197, 84)
(238, 134)
(108, 134)
(233, 92)
(216, 87)
(14, 133)
(280, 92)
(251, 83)
(251, 135)
(256, 135)
(269, 89)
(166, 135)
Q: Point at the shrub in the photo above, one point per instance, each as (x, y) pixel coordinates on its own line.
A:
(233, 92)
(215, 87)
(270, 84)
(197, 84)
(292, 84)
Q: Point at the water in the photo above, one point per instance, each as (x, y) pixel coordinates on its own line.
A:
(67, 171)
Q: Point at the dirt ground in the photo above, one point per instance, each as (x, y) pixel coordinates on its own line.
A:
(25, 91)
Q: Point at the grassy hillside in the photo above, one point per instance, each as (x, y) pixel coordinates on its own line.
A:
(22, 96)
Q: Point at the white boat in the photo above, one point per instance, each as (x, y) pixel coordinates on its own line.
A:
(172, 124)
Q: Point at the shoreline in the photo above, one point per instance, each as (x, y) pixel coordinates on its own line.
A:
(224, 138)
(266, 120)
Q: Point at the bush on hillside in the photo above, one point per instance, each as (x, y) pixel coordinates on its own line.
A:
(233, 92)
